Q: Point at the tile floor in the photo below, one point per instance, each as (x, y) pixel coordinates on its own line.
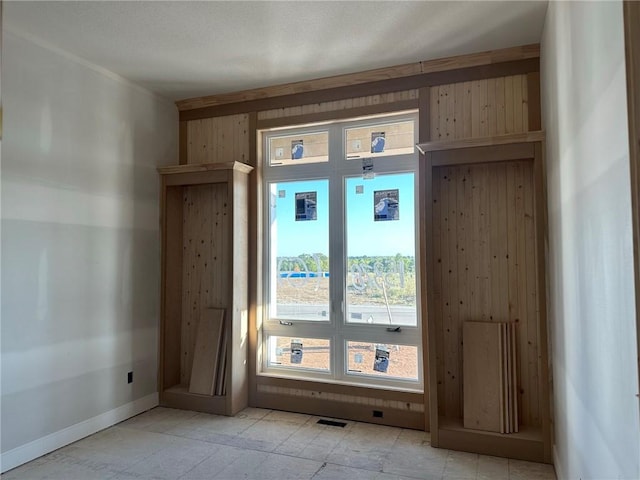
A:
(264, 444)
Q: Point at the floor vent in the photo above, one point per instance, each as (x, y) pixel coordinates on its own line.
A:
(332, 423)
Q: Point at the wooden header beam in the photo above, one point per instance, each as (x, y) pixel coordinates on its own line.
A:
(418, 69)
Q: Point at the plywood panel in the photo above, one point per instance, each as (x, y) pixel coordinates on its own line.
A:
(483, 374)
(481, 108)
(218, 139)
(484, 269)
(205, 356)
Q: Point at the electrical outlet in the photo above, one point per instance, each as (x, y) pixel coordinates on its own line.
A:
(357, 145)
(279, 152)
(130, 377)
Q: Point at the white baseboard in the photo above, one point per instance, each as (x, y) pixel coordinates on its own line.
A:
(32, 450)
(557, 465)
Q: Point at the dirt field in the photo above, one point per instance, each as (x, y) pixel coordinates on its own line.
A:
(314, 290)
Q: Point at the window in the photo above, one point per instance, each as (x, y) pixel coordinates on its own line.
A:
(340, 253)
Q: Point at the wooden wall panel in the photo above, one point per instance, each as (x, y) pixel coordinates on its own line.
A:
(338, 105)
(218, 139)
(484, 269)
(204, 271)
(482, 108)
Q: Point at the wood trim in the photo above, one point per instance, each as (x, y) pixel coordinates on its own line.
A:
(333, 409)
(380, 108)
(522, 446)
(355, 390)
(255, 256)
(481, 141)
(424, 192)
(204, 167)
(540, 215)
(480, 72)
(631, 19)
(426, 278)
(398, 71)
(533, 101)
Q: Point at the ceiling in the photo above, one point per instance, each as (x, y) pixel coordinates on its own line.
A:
(183, 49)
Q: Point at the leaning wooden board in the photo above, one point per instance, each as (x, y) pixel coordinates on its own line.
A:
(205, 355)
(490, 376)
(483, 388)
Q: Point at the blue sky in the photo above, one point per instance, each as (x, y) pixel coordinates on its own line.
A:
(364, 235)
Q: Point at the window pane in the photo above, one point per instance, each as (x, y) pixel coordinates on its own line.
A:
(299, 149)
(396, 361)
(299, 250)
(300, 353)
(381, 266)
(380, 140)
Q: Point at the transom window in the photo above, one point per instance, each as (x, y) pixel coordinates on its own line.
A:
(340, 253)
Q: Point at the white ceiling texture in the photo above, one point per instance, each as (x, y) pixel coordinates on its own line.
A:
(183, 49)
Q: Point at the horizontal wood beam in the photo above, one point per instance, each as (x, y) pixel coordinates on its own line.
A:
(481, 72)
(204, 167)
(480, 141)
(398, 71)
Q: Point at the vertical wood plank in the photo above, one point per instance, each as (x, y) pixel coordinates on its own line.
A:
(502, 249)
(195, 145)
(512, 236)
(540, 214)
(494, 243)
(467, 110)
(484, 245)
(434, 93)
(482, 100)
(458, 118)
(483, 372)
(183, 142)
(525, 103)
(532, 303)
(534, 121)
(446, 288)
(427, 181)
(454, 329)
(509, 126)
(517, 104)
(472, 244)
(451, 114)
(424, 114)
(437, 290)
(492, 118)
(500, 107)
(443, 107)
(462, 300)
(521, 285)
(476, 130)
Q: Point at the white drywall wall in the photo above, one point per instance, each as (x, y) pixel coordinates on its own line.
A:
(591, 283)
(80, 240)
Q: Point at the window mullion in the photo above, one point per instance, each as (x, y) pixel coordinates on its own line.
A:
(336, 247)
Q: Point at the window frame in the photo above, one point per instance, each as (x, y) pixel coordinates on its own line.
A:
(337, 329)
